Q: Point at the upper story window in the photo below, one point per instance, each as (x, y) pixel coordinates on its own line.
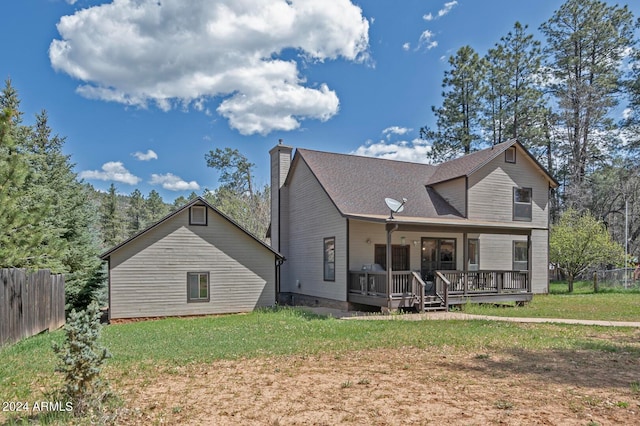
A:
(510, 155)
(198, 215)
(522, 204)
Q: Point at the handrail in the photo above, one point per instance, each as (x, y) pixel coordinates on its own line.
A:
(443, 292)
(418, 288)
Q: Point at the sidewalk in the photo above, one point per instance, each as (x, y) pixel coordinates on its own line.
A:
(355, 315)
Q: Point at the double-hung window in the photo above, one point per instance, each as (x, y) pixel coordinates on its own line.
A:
(522, 204)
(520, 256)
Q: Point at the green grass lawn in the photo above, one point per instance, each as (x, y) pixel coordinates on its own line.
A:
(583, 303)
(141, 349)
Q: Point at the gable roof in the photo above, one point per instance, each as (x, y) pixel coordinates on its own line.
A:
(358, 185)
(470, 163)
(195, 201)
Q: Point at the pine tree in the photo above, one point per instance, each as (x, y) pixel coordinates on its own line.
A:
(156, 207)
(458, 120)
(23, 242)
(236, 196)
(514, 100)
(111, 219)
(587, 41)
(136, 213)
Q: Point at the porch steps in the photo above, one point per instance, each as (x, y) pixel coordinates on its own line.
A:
(433, 303)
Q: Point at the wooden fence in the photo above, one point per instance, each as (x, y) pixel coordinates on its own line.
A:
(30, 302)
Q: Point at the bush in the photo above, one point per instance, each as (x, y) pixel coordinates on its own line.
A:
(81, 359)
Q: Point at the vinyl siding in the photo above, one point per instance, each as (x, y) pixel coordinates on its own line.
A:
(148, 275)
(311, 217)
(540, 262)
(496, 252)
(490, 194)
(362, 253)
(454, 192)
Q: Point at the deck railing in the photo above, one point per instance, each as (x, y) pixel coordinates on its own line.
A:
(375, 283)
(460, 282)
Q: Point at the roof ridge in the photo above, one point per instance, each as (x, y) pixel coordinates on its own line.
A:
(365, 157)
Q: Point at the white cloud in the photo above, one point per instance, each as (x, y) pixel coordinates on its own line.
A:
(445, 10)
(395, 130)
(72, 2)
(415, 151)
(406, 46)
(113, 171)
(146, 156)
(172, 182)
(173, 53)
(426, 40)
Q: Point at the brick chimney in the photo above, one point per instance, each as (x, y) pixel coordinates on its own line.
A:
(280, 163)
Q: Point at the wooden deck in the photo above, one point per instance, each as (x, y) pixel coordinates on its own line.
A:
(408, 290)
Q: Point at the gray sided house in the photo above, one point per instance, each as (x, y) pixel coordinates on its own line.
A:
(473, 229)
(195, 261)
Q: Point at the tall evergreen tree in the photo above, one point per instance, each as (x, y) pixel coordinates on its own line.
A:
(156, 208)
(23, 242)
(136, 213)
(458, 120)
(586, 43)
(111, 219)
(514, 106)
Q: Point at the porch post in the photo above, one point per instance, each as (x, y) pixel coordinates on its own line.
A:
(390, 228)
(465, 267)
(529, 258)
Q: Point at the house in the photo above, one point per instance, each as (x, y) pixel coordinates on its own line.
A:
(474, 228)
(195, 261)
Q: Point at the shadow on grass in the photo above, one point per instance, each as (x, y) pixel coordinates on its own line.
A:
(592, 365)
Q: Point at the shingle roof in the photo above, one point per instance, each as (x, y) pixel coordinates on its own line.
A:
(467, 164)
(359, 185)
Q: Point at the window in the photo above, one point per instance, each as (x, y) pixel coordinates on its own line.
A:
(520, 256)
(510, 155)
(330, 259)
(473, 254)
(437, 254)
(197, 286)
(522, 204)
(399, 257)
(198, 215)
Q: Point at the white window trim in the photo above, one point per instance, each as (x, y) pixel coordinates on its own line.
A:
(193, 220)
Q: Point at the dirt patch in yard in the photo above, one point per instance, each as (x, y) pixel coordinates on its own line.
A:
(392, 387)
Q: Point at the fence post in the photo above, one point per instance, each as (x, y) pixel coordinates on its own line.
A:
(595, 282)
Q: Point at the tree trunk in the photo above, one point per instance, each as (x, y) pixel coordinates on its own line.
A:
(570, 282)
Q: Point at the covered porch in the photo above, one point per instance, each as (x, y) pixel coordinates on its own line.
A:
(408, 290)
(436, 265)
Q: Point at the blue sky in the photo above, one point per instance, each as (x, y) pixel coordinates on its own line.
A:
(142, 90)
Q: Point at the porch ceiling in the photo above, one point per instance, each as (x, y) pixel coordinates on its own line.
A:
(408, 223)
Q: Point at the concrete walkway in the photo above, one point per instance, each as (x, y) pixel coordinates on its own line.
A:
(355, 315)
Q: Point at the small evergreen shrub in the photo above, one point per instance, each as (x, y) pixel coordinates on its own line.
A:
(81, 359)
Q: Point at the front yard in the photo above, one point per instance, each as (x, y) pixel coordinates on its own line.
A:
(287, 366)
